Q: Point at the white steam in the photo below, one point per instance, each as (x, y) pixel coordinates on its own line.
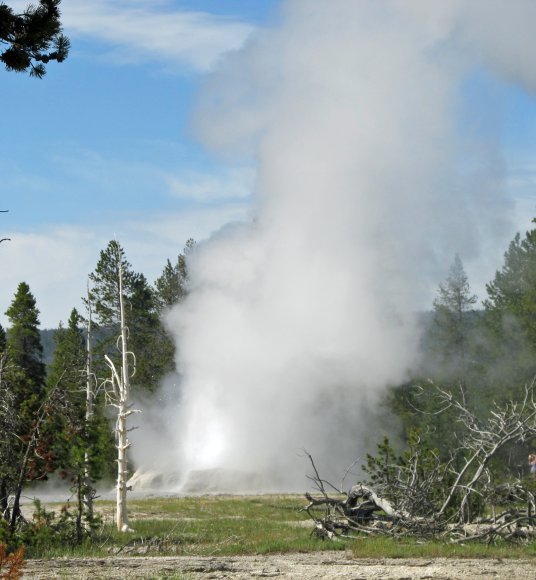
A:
(298, 321)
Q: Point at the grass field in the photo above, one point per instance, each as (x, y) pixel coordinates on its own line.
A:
(236, 525)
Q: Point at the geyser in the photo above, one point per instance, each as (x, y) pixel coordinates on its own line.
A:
(298, 321)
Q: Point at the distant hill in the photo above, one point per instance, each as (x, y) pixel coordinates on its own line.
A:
(47, 340)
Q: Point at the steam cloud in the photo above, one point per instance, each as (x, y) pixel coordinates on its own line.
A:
(366, 187)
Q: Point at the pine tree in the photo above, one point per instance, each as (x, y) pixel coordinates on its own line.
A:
(512, 293)
(80, 439)
(34, 38)
(112, 295)
(25, 351)
(103, 297)
(172, 286)
(147, 337)
(69, 355)
(30, 447)
(66, 374)
(448, 350)
(104, 293)
(452, 309)
(510, 314)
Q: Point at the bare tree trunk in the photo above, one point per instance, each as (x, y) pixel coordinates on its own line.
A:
(117, 390)
(122, 473)
(122, 434)
(88, 489)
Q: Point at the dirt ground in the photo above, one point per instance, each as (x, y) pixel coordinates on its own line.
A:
(317, 566)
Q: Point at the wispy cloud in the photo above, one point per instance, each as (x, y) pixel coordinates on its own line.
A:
(74, 251)
(147, 30)
(144, 31)
(201, 187)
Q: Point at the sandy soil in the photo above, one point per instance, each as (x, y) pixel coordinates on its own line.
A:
(318, 565)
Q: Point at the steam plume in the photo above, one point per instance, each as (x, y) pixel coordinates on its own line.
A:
(298, 321)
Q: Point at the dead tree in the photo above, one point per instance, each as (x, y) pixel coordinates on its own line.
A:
(89, 491)
(117, 391)
(513, 423)
(425, 496)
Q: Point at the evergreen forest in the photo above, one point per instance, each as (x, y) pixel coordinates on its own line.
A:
(477, 356)
(55, 416)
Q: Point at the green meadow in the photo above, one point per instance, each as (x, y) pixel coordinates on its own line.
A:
(236, 525)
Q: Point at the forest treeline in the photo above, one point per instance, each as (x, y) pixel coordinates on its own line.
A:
(481, 355)
(484, 355)
(46, 422)
(466, 467)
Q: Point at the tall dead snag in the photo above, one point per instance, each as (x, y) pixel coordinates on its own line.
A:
(89, 491)
(461, 498)
(117, 390)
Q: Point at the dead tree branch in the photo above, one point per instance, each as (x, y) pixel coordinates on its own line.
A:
(419, 494)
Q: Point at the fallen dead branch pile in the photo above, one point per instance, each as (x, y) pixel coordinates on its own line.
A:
(459, 499)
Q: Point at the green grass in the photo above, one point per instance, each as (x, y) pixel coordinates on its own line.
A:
(206, 507)
(203, 526)
(233, 525)
(384, 547)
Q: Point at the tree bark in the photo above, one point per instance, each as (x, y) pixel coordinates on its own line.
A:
(123, 412)
(88, 489)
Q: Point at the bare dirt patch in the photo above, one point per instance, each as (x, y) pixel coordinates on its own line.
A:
(317, 566)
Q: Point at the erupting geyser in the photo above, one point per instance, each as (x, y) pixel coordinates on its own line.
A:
(298, 321)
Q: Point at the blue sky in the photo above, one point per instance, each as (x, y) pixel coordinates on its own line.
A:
(102, 147)
(111, 123)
